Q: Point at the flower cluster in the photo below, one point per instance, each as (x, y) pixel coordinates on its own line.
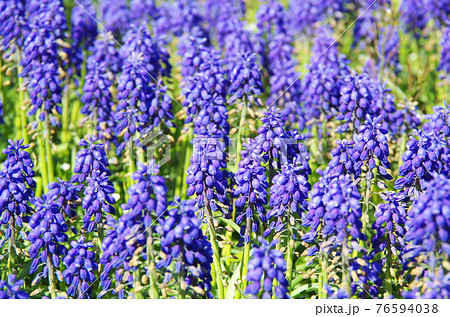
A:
(267, 265)
(415, 16)
(16, 187)
(205, 177)
(12, 26)
(84, 27)
(251, 189)
(10, 289)
(435, 285)
(104, 52)
(444, 64)
(245, 80)
(40, 67)
(81, 268)
(65, 194)
(116, 16)
(47, 236)
(355, 102)
(372, 144)
(429, 221)
(183, 242)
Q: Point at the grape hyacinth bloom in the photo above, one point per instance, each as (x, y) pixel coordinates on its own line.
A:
(116, 16)
(81, 267)
(143, 10)
(148, 201)
(66, 195)
(355, 101)
(267, 265)
(426, 153)
(372, 144)
(89, 159)
(205, 175)
(40, 68)
(50, 13)
(84, 26)
(104, 51)
(16, 188)
(97, 200)
(428, 225)
(444, 64)
(415, 16)
(388, 46)
(390, 226)
(435, 285)
(251, 189)
(12, 26)
(47, 237)
(245, 80)
(10, 289)
(183, 242)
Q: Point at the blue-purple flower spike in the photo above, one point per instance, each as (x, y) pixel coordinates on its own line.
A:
(11, 288)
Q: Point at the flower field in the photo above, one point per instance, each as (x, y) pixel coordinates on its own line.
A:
(233, 149)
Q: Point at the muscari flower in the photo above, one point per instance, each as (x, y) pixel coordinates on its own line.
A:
(10, 289)
(84, 26)
(51, 13)
(415, 15)
(183, 242)
(65, 194)
(97, 200)
(435, 285)
(245, 80)
(116, 16)
(148, 201)
(444, 64)
(143, 10)
(97, 99)
(104, 52)
(47, 236)
(91, 158)
(16, 187)
(267, 266)
(428, 226)
(390, 225)
(12, 25)
(251, 189)
(81, 267)
(355, 101)
(372, 145)
(388, 46)
(206, 177)
(40, 62)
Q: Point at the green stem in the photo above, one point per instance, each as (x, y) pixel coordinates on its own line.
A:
(12, 247)
(51, 276)
(48, 150)
(154, 294)
(215, 247)
(389, 280)
(289, 253)
(187, 160)
(21, 99)
(65, 119)
(241, 128)
(345, 266)
(182, 284)
(323, 276)
(365, 218)
(42, 157)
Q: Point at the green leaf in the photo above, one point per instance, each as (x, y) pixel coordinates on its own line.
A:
(231, 223)
(231, 290)
(305, 288)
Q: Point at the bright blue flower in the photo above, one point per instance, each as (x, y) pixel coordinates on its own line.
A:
(245, 80)
(10, 289)
(12, 24)
(66, 195)
(372, 145)
(40, 62)
(81, 269)
(183, 242)
(49, 13)
(98, 101)
(390, 226)
(104, 52)
(116, 16)
(428, 226)
(148, 201)
(16, 187)
(415, 15)
(84, 26)
(193, 49)
(435, 285)
(143, 10)
(444, 64)
(355, 102)
(267, 266)
(251, 189)
(47, 236)
(97, 200)
(206, 177)
(388, 46)
(91, 158)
